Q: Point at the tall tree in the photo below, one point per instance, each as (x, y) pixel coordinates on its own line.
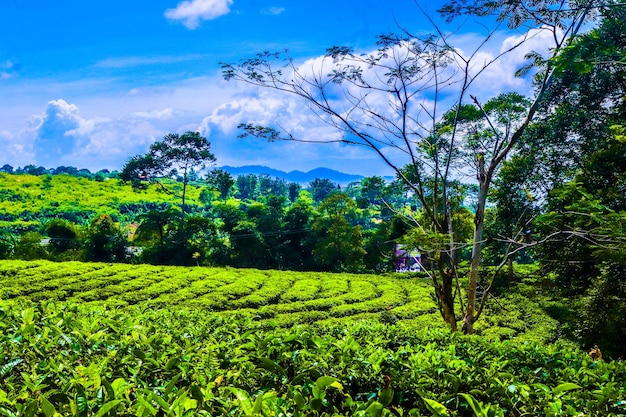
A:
(573, 146)
(8, 243)
(297, 246)
(247, 186)
(411, 74)
(339, 246)
(174, 156)
(104, 241)
(321, 188)
(221, 181)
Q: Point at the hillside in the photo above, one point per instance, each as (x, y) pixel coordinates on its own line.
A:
(282, 297)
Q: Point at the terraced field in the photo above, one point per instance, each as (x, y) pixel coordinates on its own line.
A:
(283, 297)
(107, 340)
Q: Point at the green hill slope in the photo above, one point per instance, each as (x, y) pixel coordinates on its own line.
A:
(28, 199)
(283, 298)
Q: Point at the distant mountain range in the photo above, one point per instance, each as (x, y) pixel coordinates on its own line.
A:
(294, 176)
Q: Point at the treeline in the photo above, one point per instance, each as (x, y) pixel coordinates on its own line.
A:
(248, 221)
(70, 170)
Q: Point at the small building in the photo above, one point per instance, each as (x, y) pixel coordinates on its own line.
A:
(407, 260)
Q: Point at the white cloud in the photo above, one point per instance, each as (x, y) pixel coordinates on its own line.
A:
(191, 12)
(499, 76)
(155, 114)
(270, 108)
(273, 11)
(54, 137)
(61, 136)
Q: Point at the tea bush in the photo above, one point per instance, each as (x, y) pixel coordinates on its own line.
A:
(62, 360)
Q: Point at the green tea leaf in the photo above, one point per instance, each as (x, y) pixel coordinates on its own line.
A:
(196, 394)
(30, 409)
(375, 409)
(385, 396)
(27, 316)
(82, 405)
(170, 385)
(171, 363)
(568, 386)
(271, 366)
(244, 400)
(7, 367)
(160, 401)
(542, 387)
(299, 400)
(47, 407)
(110, 393)
(6, 412)
(324, 382)
(258, 404)
(181, 399)
(146, 404)
(475, 405)
(106, 408)
(316, 404)
(438, 409)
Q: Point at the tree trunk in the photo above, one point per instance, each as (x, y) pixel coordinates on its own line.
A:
(182, 207)
(479, 222)
(509, 264)
(447, 300)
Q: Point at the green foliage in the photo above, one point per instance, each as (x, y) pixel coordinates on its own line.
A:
(8, 243)
(603, 313)
(29, 247)
(169, 242)
(175, 157)
(283, 228)
(220, 180)
(339, 244)
(63, 237)
(247, 186)
(104, 241)
(76, 360)
(73, 199)
(321, 188)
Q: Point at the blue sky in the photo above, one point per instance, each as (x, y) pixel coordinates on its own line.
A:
(91, 83)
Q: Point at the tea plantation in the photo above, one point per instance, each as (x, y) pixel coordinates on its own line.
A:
(79, 339)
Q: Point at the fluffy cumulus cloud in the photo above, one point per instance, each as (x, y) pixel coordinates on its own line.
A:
(55, 137)
(61, 136)
(106, 131)
(192, 12)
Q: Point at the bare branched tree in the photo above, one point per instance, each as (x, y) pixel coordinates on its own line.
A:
(396, 101)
